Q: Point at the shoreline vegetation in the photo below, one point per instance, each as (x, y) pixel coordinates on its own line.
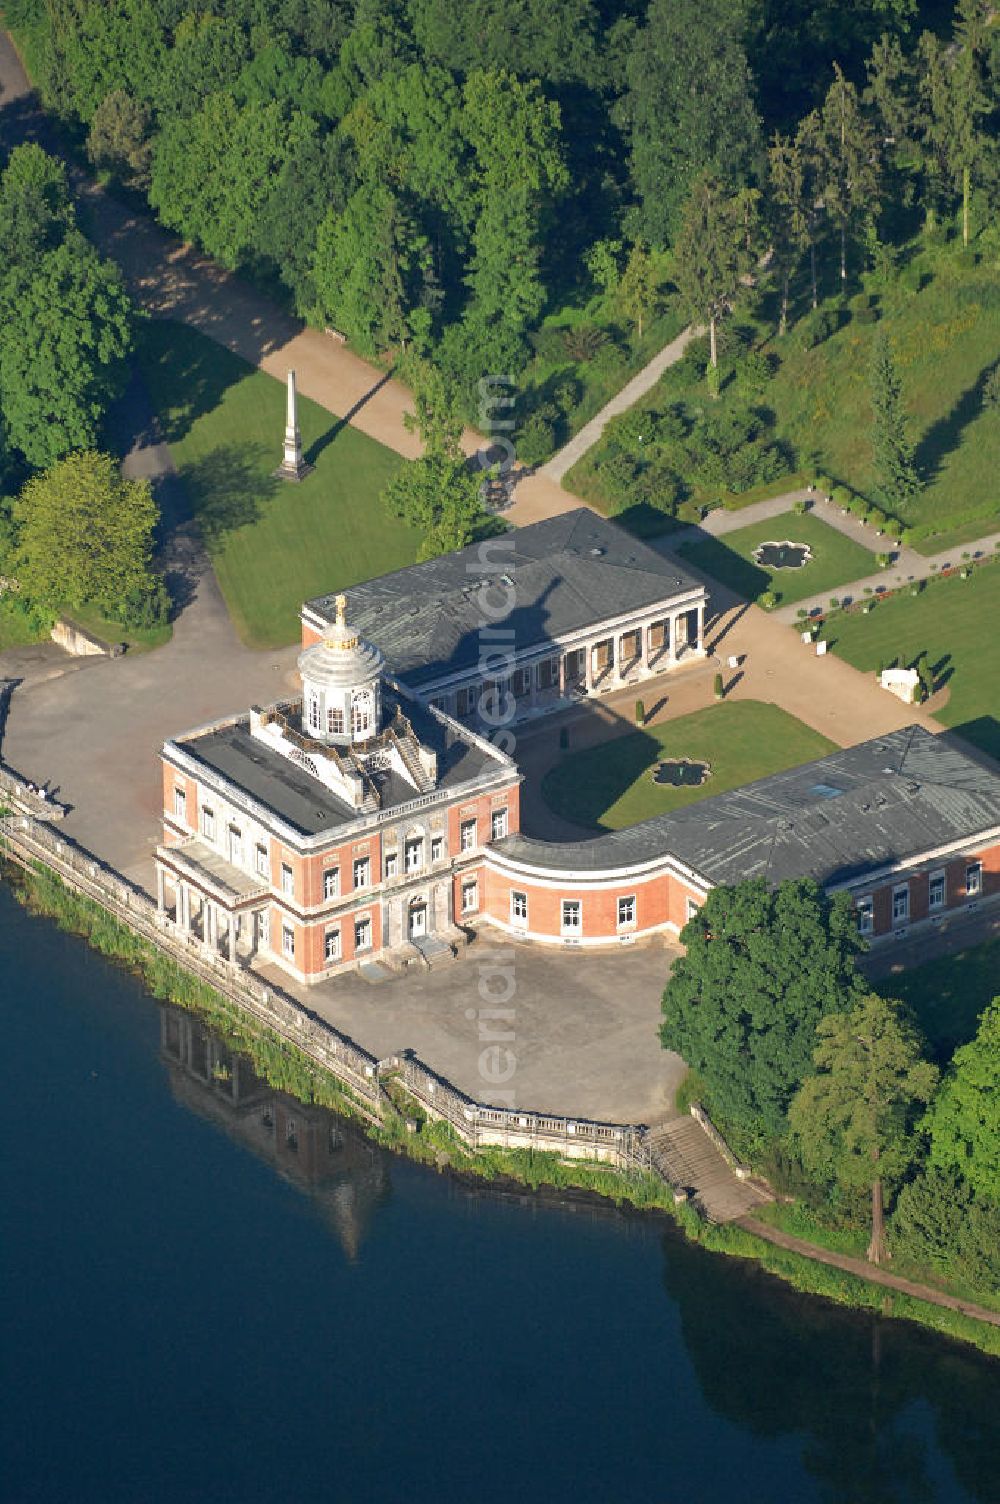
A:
(42, 894)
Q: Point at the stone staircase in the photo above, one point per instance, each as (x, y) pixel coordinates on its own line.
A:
(684, 1155)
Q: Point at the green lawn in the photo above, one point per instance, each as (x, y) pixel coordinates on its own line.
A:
(945, 338)
(136, 639)
(955, 622)
(273, 544)
(949, 994)
(610, 786)
(836, 560)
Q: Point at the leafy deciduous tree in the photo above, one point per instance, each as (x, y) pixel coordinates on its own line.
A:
(742, 1005)
(119, 138)
(964, 1121)
(85, 535)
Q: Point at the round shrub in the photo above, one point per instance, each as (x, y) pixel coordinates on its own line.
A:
(841, 497)
(799, 507)
(823, 484)
(769, 600)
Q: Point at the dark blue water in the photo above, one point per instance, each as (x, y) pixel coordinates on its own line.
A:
(211, 1293)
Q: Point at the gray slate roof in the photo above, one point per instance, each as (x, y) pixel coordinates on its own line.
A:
(835, 819)
(308, 805)
(568, 573)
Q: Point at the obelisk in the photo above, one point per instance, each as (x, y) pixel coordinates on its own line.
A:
(293, 466)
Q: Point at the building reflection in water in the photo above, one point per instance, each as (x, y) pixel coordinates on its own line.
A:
(344, 1175)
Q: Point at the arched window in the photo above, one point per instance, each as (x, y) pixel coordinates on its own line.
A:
(314, 712)
(361, 714)
(334, 720)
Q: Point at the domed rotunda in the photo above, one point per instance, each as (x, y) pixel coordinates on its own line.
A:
(341, 685)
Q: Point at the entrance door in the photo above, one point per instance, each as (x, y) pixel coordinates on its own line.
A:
(418, 921)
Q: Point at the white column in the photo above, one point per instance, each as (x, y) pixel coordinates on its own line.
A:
(160, 893)
(562, 674)
(701, 626)
(232, 937)
(588, 671)
(184, 908)
(673, 639)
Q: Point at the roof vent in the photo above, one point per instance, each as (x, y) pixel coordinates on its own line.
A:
(597, 552)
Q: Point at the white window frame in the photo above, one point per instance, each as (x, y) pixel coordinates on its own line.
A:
(331, 945)
(314, 717)
(208, 822)
(865, 910)
(288, 941)
(361, 871)
(288, 879)
(331, 882)
(973, 879)
(180, 804)
(391, 863)
(933, 879)
(470, 897)
(334, 720)
(363, 925)
(468, 835)
(518, 901)
(901, 891)
(437, 848)
(627, 923)
(413, 854)
(498, 824)
(362, 713)
(262, 861)
(571, 927)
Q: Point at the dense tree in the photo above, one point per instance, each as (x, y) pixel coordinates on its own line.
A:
(688, 107)
(897, 477)
(789, 212)
(854, 1121)
(316, 180)
(367, 268)
(212, 172)
(35, 207)
(850, 162)
(952, 105)
(742, 1005)
(119, 138)
(518, 170)
(715, 249)
(939, 1221)
(85, 536)
(65, 333)
(964, 1121)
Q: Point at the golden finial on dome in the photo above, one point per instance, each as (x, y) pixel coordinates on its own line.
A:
(339, 636)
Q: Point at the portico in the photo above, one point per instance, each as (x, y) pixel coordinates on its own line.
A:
(211, 900)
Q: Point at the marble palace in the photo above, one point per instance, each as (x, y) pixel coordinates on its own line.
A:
(375, 815)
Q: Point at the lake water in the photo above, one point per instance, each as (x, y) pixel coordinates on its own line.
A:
(212, 1293)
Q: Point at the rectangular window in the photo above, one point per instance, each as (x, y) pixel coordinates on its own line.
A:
(468, 835)
(519, 908)
(572, 916)
(180, 804)
(362, 871)
(314, 713)
(470, 897)
(288, 941)
(331, 945)
(973, 879)
(208, 824)
(287, 879)
(465, 701)
(362, 934)
(331, 882)
(437, 848)
(865, 909)
(901, 904)
(391, 864)
(626, 912)
(413, 855)
(334, 720)
(935, 891)
(261, 862)
(498, 824)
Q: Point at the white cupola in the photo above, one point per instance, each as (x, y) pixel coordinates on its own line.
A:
(341, 686)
